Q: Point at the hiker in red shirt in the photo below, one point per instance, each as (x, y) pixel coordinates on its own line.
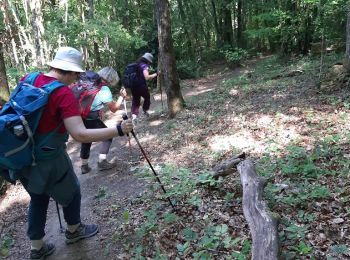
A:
(53, 175)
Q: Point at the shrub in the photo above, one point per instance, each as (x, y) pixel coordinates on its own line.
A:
(235, 56)
(188, 69)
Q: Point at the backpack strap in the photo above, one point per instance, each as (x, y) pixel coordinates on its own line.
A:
(52, 86)
(49, 88)
(31, 77)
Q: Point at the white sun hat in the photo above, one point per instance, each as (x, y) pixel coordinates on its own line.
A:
(148, 56)
(68, 59)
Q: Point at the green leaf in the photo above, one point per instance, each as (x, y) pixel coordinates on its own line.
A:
(170, 217)
(189, 234)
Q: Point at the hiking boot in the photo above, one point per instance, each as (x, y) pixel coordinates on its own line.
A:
(83, 231)
(105, 165)
(85, 168)
(134, 119)
(146, 113)
(47, 249)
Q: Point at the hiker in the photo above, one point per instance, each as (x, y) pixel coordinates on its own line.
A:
(94, 119)
(141, 90)
(54, 176)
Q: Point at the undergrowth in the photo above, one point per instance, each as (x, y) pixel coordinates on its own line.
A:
(299, 141)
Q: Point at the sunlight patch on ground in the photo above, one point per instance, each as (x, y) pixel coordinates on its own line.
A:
(265, 120)
(146, 138)
(156, 122)
(236, 141)
(278, 96)
(196, 92)
(14, 194)
(288, 135)
(234, 92)
(159, 97)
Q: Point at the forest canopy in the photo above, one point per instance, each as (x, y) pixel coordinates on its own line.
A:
(116, 32)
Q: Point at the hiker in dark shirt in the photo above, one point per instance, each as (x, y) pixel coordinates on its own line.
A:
(137, 92)
(54, 176)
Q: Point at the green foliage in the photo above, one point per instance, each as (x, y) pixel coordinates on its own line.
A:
(234, 57)
(188, 69)
(101, 193)
(201, 240)
(206, 177)
(340, 249)
(6, 243)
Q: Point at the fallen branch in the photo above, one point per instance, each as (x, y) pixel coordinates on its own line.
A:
(262, 223)
(292, 73)
(227, 167)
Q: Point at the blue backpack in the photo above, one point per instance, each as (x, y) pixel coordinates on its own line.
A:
(19, 119)
(132, 77)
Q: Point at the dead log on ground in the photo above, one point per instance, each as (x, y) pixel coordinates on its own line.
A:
(262, 223)
(227, 167)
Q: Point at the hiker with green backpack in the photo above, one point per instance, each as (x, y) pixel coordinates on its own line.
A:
(51, 174)
(92, 111)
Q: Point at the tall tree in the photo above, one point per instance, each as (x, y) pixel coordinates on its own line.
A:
(347, 51)
(38, 29)
(96, 47)
(167, 60)
(4, 88)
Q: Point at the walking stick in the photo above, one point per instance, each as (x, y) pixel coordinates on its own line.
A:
(59, 217)
(125, 117)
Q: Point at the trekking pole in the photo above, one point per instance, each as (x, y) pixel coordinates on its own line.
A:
(59, 217)
(125, 117)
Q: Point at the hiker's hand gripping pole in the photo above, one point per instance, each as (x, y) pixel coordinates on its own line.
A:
(125, 117)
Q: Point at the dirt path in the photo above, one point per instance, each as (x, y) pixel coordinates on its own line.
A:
(118, 186)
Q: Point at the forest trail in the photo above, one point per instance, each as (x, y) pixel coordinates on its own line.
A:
(114, 187)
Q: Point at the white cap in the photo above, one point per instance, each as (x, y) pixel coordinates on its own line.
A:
(68, 59)
(109, 74)
(148, 56)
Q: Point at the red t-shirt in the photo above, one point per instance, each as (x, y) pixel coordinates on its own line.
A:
(62, 104)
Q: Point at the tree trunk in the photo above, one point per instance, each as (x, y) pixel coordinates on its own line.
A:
(216, 24)
(126, 22)
(167, 59)
(347, 52)
(187, 38)
(239, 24)
(227, 25)
(97, 57)
(262, 223)
(38, 29)
(4, 88)
(228, 166)
(15, 35)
